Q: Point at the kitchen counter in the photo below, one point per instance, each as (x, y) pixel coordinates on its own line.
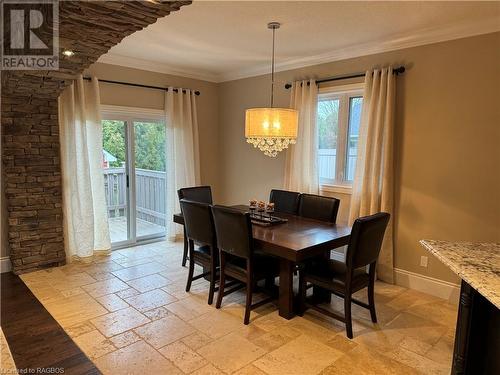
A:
(477, 339)
(478, 264)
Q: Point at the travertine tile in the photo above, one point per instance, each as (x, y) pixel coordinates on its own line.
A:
(342, 343)
(8, 365)
(75, 309)
(104, 287)
(164, 331)
(250, 370)
(196, 340)
(415, 332)
(442, 351)
(119, 321)
(208, 370)
(136, 359)
(410, 325)
(130, 292)
(148, 283)
(72, 292)
(442, 312)
(136, 272)
(158, 313)
(112, 302)
(150, 300)
(94, 344)
(219, 353)
(300, 356)
(362, 360)
(418, 362)
(410, 298)
(131, 262)
(72, 281)
(183, 357)
(272, 340)
(189, 308)
(124, 339)
(415, 345)
(216, 324)
(79, 329)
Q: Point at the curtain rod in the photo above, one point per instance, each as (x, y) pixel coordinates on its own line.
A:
(139, 85)
(398, 70)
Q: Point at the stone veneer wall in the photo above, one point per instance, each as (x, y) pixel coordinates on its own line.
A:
(30, 131)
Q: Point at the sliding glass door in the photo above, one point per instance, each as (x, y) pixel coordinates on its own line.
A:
(134, 176)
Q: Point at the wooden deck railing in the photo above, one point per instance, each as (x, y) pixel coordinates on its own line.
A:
(150, 194)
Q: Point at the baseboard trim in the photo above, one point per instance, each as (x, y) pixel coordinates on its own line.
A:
(426, 284)
(5, 265)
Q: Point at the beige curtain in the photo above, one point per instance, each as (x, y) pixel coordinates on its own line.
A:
(301, 168)
(183, 159)
(85, 210)
(373, 186)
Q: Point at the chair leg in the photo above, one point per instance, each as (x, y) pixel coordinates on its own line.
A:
(212, 277)
(191, 266)
(185, 253)
(302, 294)
(222, 280)
(371, 299)
(248, 303)
(347, 314)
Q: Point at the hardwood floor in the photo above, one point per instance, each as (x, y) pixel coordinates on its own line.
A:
(35, 339)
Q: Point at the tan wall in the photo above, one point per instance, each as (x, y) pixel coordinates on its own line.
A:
(447, 143)
(147, 98)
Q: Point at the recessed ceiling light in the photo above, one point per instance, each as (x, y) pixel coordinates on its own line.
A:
(68, 53)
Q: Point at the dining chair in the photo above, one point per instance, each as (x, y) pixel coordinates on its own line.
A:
(202, 194)
(238, 258)
(345, 278)
(318, 207)
(285, 201)
(202, 243)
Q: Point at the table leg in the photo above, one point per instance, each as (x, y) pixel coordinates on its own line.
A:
(286, 289)
(321, 295)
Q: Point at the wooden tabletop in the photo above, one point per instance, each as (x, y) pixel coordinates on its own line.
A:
(297, 239)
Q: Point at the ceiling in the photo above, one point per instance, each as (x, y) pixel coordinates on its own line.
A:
(220, 41)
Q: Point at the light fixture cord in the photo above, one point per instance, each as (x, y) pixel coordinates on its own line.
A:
(272, 73)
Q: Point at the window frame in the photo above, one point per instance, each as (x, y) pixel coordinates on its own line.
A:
(343, 93)
(129, 115)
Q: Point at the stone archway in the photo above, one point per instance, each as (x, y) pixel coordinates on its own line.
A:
(30, 134)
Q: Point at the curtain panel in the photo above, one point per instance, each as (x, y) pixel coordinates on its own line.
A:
(84, 202)
(373, 186)
(183, 159)
(301, 166)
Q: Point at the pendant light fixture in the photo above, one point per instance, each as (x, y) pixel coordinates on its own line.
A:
(271, 130)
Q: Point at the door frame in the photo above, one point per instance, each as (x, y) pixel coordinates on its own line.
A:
(129, 115)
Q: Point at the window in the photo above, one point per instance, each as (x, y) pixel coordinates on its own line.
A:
(339, 117)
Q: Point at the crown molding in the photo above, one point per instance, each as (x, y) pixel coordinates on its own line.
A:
(422, 37)
(158, 67)
(425, 36)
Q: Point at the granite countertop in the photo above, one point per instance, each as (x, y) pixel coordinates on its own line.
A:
(478, 264)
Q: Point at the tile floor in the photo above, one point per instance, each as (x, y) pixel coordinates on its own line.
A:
(130, 314)
(7, 365)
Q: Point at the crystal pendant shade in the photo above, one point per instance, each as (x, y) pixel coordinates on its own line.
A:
(271, 130)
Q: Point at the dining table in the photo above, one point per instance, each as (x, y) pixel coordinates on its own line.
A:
(292, 242)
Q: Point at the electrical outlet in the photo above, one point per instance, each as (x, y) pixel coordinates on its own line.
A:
(423, 261)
